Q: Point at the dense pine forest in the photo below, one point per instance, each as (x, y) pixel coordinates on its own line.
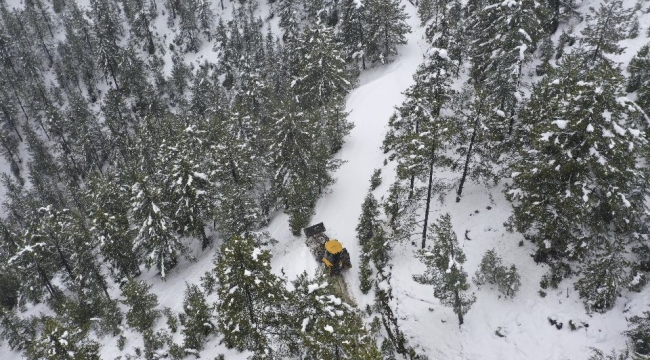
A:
(140, 135)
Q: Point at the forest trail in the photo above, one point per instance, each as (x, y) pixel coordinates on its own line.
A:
(370, 105)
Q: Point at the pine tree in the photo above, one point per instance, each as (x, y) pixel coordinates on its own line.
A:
(426, 9)
(189, 189)
(301, 164)
(411, 129)
(605, 28)
(142, 313)
(577, 178)
(323, 77)
(504, 35)
(386, 29)
(605, 274)
(640, 333)
(354, 31)
(31, 259)
(198, 317)
(60, 342)
(639, 80)
(110, 225)
(479, 136)
(492, 271)
(444, 268)
(249, 296)
(140, 14)
(107, 31)
(327, 327)
(368, 221)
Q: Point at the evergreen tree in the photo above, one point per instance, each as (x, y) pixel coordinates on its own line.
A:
(504, 35)
(60, 342)
(410, 135)
(110, 225)
(107, 31)
(301, 164)
(492, 271)
(605, 274)
(189, 189)
(639, 80)
(354, 31)
(444, 268)
(197, 318)
(479, 136)
(81, 45)
(640, 333)
(387, 28)
(323, 77)
(155, 233)
(578, 178)
(368, 221)
(142, 313)
(31, 259)
(605, 28)
(140, 14)
(329, 328)
(249, 296)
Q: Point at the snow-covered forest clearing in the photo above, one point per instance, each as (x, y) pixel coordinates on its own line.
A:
(484, 162)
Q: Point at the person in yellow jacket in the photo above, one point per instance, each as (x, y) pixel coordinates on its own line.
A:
(336, 257)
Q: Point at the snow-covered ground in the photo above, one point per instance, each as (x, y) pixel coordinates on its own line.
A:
(522, 322)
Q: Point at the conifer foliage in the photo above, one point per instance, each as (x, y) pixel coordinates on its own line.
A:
(329, 328)
(444, 271)
(579, 188)
(250, 296)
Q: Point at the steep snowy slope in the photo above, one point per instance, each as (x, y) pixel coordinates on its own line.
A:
(495, 328)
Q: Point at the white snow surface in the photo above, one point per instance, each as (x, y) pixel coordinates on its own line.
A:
(430, 327)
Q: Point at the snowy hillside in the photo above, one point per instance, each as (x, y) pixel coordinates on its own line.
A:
(496, 327)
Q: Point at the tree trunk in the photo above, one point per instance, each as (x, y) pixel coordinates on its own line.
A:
(426, 212)
(467, 160)
(458, 308)
(48, 285)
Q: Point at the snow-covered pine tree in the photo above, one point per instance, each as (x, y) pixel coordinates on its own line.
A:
(79, 42)
(504, 35)
(250, 296)
(605, 28)
(142, 313)
(418, 134)
(605, 274)
(386, 29)
(427, 9)
(156, 238)
(368, 220)
(323, 76)
(58, 341)
(394, 340)
(110, 225)
(492, 271)
(639, 80)
(30, 258)
(326, 326)
(140, 15)
(561, 11)
(198, 318)
(401, 207)
(300, 162)
(353, 31)
(107, 30)
(480, 127)
(444, 268)
(189, 188)
(640, 333)
(578, 176)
